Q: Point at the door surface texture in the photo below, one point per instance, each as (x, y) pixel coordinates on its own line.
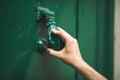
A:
(89, 21)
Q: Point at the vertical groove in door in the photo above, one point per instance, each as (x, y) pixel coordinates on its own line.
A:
(77, 30)
(104, 37)
(109, 38)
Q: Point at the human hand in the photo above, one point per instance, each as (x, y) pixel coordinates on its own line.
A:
(70, 54)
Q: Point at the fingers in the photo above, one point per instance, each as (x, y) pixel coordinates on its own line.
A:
(63, 34)
(53, 52)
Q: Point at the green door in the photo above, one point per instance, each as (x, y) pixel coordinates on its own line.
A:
(83, 19)
(19, 58)
(95, 35)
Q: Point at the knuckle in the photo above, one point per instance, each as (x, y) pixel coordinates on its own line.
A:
(59, 32)
(71, 41)
(75, 40)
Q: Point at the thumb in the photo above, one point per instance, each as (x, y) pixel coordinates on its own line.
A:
(52, 52)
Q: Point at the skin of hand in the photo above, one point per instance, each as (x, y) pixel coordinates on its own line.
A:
(71, 55)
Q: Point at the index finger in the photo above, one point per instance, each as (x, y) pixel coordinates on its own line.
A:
(67, 37)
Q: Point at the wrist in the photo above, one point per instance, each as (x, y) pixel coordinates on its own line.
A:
(79, 63)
